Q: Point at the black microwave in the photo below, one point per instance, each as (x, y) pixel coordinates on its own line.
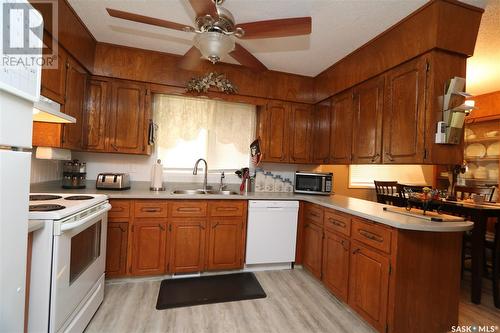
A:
(313, 182)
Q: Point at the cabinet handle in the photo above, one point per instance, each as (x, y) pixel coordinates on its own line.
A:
(215, 225)
(161, 227)
(344, 246)
(313, 214)
(337, 223)
(122, 229)
(356, 251)
(226, 209)
(370, 235)
(188, 209)
(151, 210)
(114, 147)
(202, 227)
(389, 157)
(375, 158)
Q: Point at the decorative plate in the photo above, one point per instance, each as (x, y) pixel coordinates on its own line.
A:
(494, 149)
(492, 169)
(475, 150)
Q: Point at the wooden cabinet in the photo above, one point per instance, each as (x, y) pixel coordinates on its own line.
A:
(225, 244)
(321, 133)
(275, 131)
(54, 79)
(187, 245)
(404, 113)
(116, 249)
(76, 81)
(369, 284)
(149, 247)
(312, 250)
(129, 117)
(300, 121)
(368, 107)
(96, 111)
(336, 264)
(341, 128)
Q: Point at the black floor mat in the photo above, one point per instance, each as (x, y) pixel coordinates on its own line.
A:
(208, 289)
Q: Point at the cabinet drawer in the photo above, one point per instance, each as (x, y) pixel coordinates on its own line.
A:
(369, 233)
(188, 208)
(313, 213)
(119, 208)
(150, 208)
(226, 208)
(338, 221)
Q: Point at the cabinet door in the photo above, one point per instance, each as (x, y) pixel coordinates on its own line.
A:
(276, 128)
(116, 249)
(404, 113)
(54, 79)
(341, 128)
(225, 245)
(313, 236)
(336, 264)
(368, 108)
(148, 248)
(187, 245)
(321, 132)
(129, 118)
(76, 80)
(300, 133)
(369, 284)
(95, 115)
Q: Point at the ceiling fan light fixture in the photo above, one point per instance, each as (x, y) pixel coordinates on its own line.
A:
(214, 46)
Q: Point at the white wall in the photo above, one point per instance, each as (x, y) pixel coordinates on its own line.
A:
(45, 170)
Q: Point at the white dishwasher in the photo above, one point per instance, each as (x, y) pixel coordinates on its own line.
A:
(271, 231)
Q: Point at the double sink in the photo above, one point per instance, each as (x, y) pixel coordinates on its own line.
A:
(204, 192)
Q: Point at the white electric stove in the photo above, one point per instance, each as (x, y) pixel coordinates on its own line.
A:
(68, 260)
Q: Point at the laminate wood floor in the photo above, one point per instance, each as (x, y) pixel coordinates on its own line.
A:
(296, 302)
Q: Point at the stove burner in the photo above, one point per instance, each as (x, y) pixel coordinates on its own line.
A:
(39, 197)
(79, 197)
(45, 208)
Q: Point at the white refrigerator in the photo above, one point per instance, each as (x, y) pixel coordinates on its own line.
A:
(19, 89)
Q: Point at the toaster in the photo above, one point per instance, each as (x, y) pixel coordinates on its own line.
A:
(113, 181)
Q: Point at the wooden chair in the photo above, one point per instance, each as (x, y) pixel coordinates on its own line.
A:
(389, 192)
(492, 240)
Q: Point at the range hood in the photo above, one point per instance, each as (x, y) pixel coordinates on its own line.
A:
(48, 111)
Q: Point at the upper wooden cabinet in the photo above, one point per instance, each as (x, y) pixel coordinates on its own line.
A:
(368, 107)
(341, 128)
(404, 113)
(129, 117)
(321, 133)
(300, 121)
(54, 79)
(96, 113)
(76, 80)
(274, 131)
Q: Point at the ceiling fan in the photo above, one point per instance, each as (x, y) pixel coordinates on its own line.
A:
(216, 32)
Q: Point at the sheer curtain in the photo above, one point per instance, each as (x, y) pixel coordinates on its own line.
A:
(192, 128)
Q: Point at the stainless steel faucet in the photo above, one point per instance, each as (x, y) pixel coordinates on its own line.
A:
(222, 186)
(195, 172)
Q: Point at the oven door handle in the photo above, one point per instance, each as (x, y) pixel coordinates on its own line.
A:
(76, 224)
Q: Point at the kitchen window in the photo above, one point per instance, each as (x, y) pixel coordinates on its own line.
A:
(192, 128)
(362, 176)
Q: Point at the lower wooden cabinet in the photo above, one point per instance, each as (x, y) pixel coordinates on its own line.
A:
(369, 284)
(225, 245)
(116, 249)
(336, 264)
(149, 247)
(187, 245)
(313, 236)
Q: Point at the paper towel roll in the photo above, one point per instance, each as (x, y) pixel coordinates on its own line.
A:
(157, 176)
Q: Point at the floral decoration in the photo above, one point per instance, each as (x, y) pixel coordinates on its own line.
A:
(213, 79)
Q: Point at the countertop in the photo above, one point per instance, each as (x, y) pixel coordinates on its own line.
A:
(362, 208)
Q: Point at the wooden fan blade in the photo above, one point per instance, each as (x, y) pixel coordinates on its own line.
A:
(146, 19)
(190, 59)
(204, 7)
(247, 59)
(277, 28)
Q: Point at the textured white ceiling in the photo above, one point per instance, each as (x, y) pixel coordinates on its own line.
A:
(339, 27)
(483, 69)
